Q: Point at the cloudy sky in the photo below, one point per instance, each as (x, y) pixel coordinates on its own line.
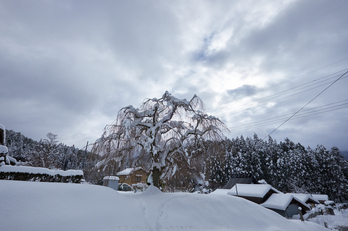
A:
(68, 66)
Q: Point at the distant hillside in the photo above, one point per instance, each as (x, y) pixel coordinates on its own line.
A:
(49, 153)
(344, 154)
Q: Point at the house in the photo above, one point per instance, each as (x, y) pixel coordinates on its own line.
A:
(240, 179)
(267, 196)
(305, 198)
(257, 193)
(285, 204)
(132, 176)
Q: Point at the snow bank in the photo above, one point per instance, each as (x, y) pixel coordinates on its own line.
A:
(36, 206)
(37, 170)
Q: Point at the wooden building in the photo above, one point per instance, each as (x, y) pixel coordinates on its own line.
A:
(132, 176)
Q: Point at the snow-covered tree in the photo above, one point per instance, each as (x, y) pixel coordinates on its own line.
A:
(156, 134)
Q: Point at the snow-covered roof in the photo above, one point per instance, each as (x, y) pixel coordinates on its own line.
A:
(110, 178)
(304, 197)
(127, 171)
(2, 127)
(281, 201)
(251, 190)
(37, 170)
(320, 197)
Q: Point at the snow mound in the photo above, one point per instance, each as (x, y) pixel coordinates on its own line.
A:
(151, 190)
(33, 206)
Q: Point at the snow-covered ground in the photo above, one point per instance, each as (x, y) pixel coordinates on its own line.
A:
(58, 206)
(340, 219)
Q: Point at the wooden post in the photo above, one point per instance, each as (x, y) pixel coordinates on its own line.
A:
(301, 215)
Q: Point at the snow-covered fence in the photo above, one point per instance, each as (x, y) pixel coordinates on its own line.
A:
(25, 173)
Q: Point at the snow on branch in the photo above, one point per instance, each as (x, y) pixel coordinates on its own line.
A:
(160, 128)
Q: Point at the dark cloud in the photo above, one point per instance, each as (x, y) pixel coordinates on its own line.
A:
(241, 92)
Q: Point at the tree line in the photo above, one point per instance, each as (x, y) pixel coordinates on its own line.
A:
(288, 166)
(50, 153)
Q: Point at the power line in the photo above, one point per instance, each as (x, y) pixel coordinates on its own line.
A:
(307, 104)
(303, 86)
(331, 64)
(316, 83)
(303, 113)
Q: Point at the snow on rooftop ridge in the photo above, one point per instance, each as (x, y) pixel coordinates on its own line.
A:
(281, 201)
(38, 170)
(127, 171)
(278, 201)
(251, 190)
(303, 197)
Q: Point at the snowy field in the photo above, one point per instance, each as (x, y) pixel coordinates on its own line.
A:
(33, 206)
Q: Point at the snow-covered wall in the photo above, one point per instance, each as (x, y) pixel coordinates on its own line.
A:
(37, 170)
(25, 173)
